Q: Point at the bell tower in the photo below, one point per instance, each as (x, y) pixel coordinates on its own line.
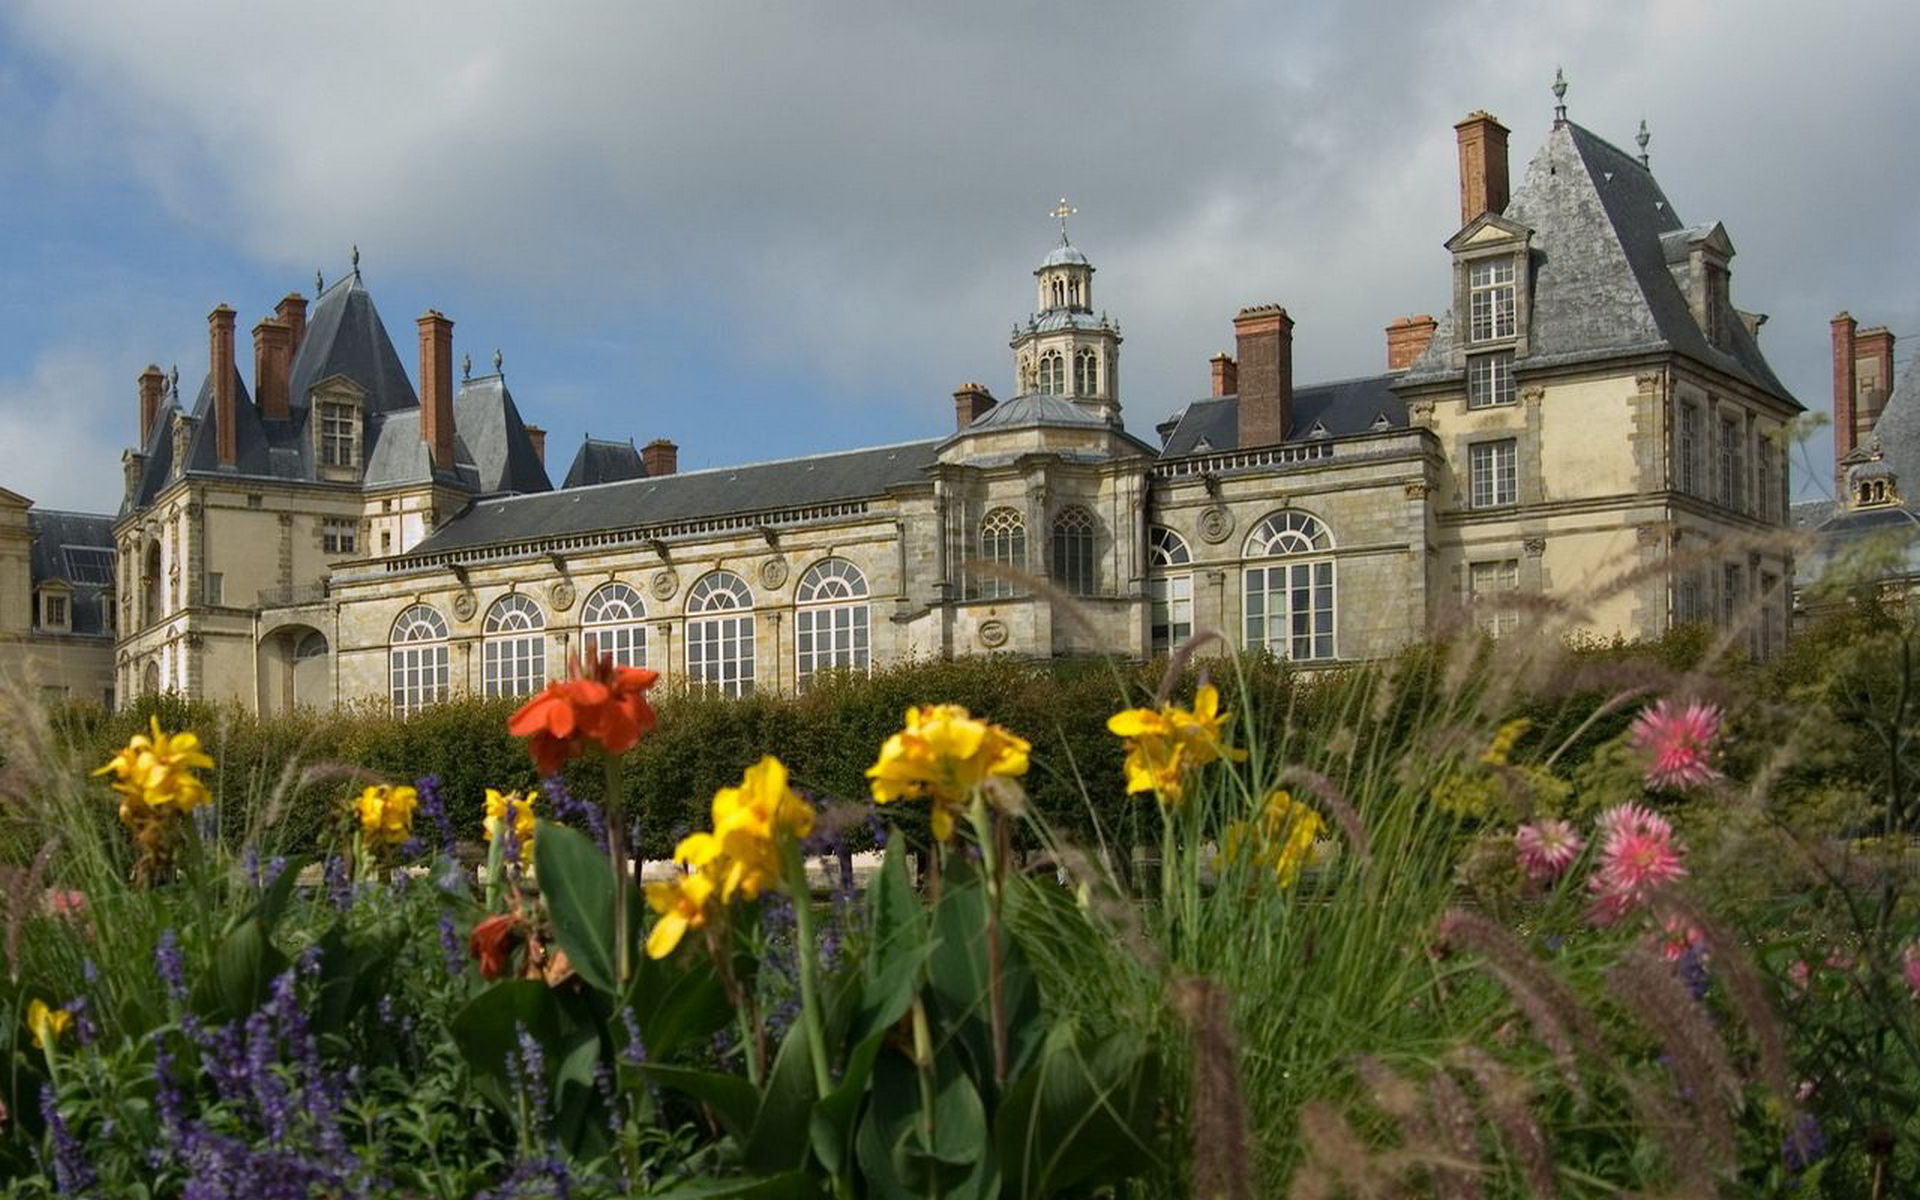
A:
(1063, 349)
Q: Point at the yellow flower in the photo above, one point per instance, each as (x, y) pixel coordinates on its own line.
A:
(512, 806)
(744, 851)
(683, 904)
(945, 754)
(1282, 838)
(1503, 742)
(46, 1023)
(1164, 744)
(154, 774)
(386, 815)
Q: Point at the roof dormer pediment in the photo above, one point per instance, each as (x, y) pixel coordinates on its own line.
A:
(1489, 229)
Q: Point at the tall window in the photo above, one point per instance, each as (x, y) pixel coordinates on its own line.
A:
(830, 619)
(1492, 475)
(1771, 634)
(1728, 458)
(514, 647)
(1086, 372)
(336, 435)
(1003, 543)
(720, 634)
(1289, 605)
(417, 660)
(1764, 486)
(1732, 593)
(1688, 609)
(1489, 585)
(337, 537)
(1490, 299)
(1688, 452)
(611, 622)
(1169, 589)
(1075, 568)
(1489, 380)
(1053, 373)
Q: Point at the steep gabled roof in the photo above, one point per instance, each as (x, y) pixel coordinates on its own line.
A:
(1344, 406)
(1897, 428)
(601, 461)
(489, 423)
(76, 549)
(345, 336)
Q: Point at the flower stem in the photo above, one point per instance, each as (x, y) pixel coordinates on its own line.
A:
(991, 859)
(615, 811)
(806, 953)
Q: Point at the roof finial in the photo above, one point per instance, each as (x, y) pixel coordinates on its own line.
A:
(1641, 139)
(1064, 211)
(173, 383)
(1559, 96)
(497, 360)
(356, 260)
(466, 367)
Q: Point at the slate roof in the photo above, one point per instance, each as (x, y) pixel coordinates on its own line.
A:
(1064, 255)
(345, 336)
(1898, 427)
(1881, 541)
(1067, 318)
(54, 533)
(1891, 533)
(488, 423)
(1345, 406)
(601, 461)
(1602, 285)
(1034, 409)
(690, 495)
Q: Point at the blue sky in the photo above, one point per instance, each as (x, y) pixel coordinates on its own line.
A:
(771, 230)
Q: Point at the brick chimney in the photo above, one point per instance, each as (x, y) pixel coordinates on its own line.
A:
(660, 457)
(1407, 339)
(1483, 165)
(271, 358)
(1264, 335)
(1873, 373)
(1226, 375)
(970, 403)
(1843, 387)
(226, 434)
(292, 312)
(436, 387)
(538, 437)
(153, 386)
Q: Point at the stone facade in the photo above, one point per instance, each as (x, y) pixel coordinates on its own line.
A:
(56, 602)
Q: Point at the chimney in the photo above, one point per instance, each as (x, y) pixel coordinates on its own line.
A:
(270, 362)
(660, 457)
(1843, 387)
(1407, 339)
(1264, 335)
(152, 387)
(226, 437)
(292, 312)
(1483, 165)
(1226, 375)
(538, 437)
(436, 387)
(970, 403)
(1873, 374)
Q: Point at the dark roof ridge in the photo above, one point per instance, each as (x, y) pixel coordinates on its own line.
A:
(703, 471)
(72, 512)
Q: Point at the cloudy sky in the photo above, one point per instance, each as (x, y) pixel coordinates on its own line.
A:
(767, 229)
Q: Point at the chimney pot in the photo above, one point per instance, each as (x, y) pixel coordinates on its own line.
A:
(660, 457)
(292, 312)
(152, 387)
(226, 434)
(971, 402)
(270, 362)
(1264, 337)
(436, 387)
(1226, 375)
(1483, 165)
(1407, 339)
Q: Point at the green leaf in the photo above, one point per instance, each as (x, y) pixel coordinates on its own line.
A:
(578, 1114)
(677, 1000)
(734, 1101)
(898, 947)
(1077, 1116)
(780, 1128)
(794, 1185)
(576, 881)
(487, 1027)
(272, 904)
(959, 972)
(351, 976)
(245, 964)
(832, 1128)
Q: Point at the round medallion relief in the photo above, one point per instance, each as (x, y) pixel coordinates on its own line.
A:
(773, 574)
(993, 633)
(464, 606)
(664, 584)
(1216, 524)
(561, 595)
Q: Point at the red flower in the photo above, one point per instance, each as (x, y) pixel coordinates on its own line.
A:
(492, 943)
(597, 702)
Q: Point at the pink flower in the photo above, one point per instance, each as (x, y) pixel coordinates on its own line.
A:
(1547, 848)
(1679, 741)
(1799, 973)
(1681, 937)
(1638, 856)
(1912, 968)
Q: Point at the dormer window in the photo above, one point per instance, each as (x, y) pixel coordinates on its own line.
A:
(55, 611)
(1490, 286)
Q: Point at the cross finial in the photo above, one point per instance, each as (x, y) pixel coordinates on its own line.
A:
(497, 360)
(1061, 213)
(466, 367)
(356, 259)
(1641, 139)
(1559, 96)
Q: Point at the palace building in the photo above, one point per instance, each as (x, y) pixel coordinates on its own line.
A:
(1592, 402)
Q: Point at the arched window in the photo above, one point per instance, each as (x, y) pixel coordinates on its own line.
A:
(417, 660)
(514, 647)
(1086, 372)
(1059, 292)
(152, 611)
(150, 678)
(1075, 568)
(830, 620)
(720, 643)
(1053, 373)
(611, 623)
(314, 645)
(1289, 605)
(1003, 542)
(1169, 589)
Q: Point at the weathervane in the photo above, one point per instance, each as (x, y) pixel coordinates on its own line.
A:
(356, 260)
(1642, 138)
(1064, 211)
(466, 367)
(1559, 97)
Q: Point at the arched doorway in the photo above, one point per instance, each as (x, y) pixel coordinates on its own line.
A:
(296, 669)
